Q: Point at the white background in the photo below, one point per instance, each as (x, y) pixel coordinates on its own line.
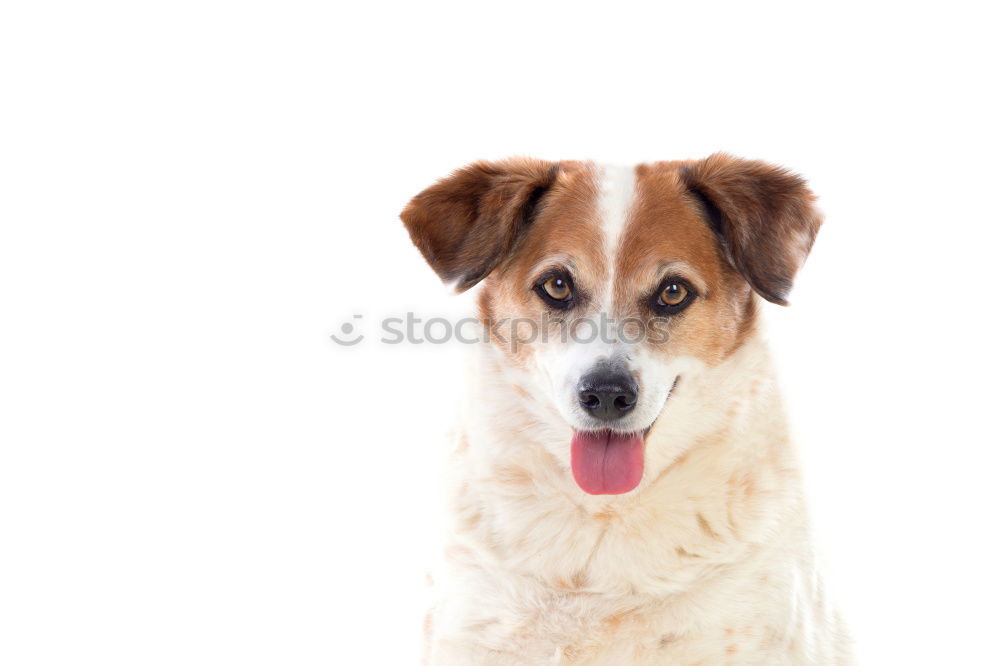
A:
(195, 195)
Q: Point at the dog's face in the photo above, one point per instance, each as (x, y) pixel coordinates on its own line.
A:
(608, 286)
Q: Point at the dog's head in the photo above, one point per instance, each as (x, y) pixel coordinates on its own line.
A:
(610, 285)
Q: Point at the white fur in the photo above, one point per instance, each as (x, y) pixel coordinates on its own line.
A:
(617, 190)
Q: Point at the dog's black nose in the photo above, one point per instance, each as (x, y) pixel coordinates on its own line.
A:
(607, 394)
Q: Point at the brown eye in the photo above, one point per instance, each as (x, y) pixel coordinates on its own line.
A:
(673, 294)
(557, 289)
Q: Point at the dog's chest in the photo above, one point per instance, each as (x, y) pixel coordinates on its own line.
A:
(599, 592)
(533, 623)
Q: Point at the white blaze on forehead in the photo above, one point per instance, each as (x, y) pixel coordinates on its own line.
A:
(616, 193)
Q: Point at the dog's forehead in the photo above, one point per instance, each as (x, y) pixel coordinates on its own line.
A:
(616, 194)
(666, 232)
(622, 226)
(567, 232)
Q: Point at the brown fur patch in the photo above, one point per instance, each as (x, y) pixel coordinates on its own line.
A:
(706, 528)
(512, 475)
(668, 236)
(470, 519)
(566, 228)
(614, 622)
(574, 582)
(467, 223)
(683, 552)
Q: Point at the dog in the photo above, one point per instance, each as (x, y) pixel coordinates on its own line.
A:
(630, 498)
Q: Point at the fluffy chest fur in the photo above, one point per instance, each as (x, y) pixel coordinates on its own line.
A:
(707, 563)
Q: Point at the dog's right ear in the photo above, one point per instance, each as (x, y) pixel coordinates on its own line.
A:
(469, 222)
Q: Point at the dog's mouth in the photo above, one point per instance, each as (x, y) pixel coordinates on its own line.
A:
(605, 462)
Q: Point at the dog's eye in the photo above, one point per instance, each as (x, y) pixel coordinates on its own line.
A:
(673, 296)
(556, 290)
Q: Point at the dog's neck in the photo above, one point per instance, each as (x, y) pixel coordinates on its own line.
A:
(718, 464)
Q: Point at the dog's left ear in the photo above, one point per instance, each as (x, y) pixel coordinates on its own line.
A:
(469, 222)
(764, 215)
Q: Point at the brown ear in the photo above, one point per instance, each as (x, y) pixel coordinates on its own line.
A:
(466, 224)
(764, 215)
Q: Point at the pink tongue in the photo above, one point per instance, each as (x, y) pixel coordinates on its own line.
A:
(606, 463)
